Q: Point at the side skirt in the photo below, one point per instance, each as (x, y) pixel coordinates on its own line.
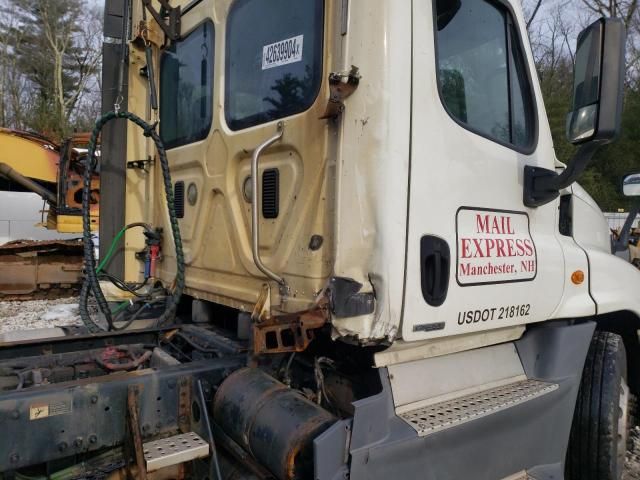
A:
(531, 436)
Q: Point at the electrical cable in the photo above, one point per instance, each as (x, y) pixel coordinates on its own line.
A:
(135, 316)
(197, 347)
(92, 284)
(122, 285)
(214, 464)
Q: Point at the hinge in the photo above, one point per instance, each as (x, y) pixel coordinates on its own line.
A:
(141, 164)
(341, 86)
(169, 20)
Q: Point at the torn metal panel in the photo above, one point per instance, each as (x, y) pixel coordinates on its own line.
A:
(287, 333)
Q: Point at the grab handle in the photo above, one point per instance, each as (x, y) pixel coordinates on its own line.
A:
(255, 207)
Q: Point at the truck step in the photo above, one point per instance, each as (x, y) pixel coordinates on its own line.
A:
(436, 417)
(174, 450)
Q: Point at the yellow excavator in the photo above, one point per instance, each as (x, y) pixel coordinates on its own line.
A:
(31, 162)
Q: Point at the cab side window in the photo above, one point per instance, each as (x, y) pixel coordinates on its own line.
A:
(482, 73)
(273, 59)
(186, 88)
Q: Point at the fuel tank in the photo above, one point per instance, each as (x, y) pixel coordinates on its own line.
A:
(273, 422)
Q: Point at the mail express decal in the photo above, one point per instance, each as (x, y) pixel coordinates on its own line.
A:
(494, 246)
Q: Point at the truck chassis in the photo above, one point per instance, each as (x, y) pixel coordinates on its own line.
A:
(76, 400)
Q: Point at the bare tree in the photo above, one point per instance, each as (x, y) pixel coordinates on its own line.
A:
(79, 45)
(628, 11)
(84, 101)
(625, 9)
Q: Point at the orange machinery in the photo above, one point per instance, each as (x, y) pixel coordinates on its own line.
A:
(30, 269)
(53, 171)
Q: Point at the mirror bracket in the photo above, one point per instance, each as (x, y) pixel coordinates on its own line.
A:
(622, 243)
(542, 186)
(538, 186)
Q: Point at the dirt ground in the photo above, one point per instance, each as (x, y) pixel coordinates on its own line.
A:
(53, 313)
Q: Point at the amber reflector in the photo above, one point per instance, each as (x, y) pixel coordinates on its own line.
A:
(577, 277)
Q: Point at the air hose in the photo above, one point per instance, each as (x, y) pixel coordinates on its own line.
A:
(114, 243)
(91, 283)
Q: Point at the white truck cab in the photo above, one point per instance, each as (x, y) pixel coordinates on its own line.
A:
(359, 206)
(389, 164)
(412, 192)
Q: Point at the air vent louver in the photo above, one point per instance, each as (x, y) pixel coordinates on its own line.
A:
(178, 195)
(271, 193)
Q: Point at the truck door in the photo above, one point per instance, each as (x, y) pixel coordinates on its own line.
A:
(477, 259)
(267, 69)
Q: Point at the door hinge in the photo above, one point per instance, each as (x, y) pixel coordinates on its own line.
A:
(341, 86)
(168, 18)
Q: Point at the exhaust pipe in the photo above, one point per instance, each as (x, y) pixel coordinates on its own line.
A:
(11, 174)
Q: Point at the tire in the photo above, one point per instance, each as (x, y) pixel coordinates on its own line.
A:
(600, 429)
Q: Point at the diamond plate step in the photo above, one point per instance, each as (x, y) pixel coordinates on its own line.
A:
(174, 450)
(443, 415)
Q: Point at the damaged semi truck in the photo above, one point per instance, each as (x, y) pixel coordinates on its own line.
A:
(349, 252)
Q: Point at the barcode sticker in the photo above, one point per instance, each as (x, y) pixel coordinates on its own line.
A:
(51, 409)
(283, 52)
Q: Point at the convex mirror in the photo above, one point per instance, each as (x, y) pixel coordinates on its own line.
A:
(631, 185)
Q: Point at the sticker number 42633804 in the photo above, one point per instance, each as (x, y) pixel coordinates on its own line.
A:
(282, 52)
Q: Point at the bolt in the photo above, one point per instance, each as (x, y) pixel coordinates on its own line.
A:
(14, 458)
(62, 446)
(94, 399)
(93, 439)
(78, 442)
(15, 414)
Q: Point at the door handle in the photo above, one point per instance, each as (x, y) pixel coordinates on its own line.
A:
(435, 264)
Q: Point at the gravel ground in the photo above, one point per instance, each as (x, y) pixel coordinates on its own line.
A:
(38, 314)
(64, 311)
(632, 471)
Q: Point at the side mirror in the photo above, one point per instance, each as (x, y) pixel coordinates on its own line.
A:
(598, 83)
(597, 108)
(631, 185)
